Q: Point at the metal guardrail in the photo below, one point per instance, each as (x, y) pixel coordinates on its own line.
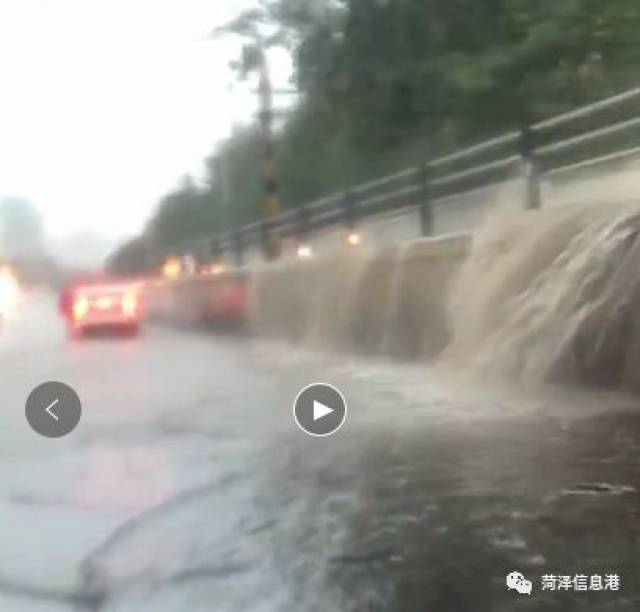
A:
(607, 129)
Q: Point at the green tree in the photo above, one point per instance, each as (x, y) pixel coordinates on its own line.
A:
(187, 212)
(233, 179)
(131, 257)
(453, 69)
(387, 83)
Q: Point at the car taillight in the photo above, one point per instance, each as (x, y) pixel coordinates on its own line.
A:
(130, 304)
(80, 307)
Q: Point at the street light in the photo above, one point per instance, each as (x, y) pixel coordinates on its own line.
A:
(172, 268)
(305, 251)
(216, 268)
(354, 239)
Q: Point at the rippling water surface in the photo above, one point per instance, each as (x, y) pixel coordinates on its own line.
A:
(189, 487)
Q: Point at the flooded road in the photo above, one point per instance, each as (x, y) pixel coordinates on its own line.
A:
(188, 486)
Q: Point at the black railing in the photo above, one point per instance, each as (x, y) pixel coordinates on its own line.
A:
(603, 131)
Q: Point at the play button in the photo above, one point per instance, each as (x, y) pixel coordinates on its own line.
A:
(319, 409)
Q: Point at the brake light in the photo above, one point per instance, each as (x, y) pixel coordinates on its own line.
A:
(80, 308)
(130, 304)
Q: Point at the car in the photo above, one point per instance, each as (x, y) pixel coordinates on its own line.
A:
(102, 306)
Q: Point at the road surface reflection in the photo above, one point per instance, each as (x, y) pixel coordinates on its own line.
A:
(188, 486)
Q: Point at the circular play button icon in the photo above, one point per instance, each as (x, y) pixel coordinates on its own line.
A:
(319, 409)
(53, 409)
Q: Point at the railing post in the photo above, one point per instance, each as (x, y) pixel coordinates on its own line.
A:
(350, 208)
(303, 224)
(425, 208)
(270, 246)
(238, 247)
(264, 238)
(530, 168)
(215, 250)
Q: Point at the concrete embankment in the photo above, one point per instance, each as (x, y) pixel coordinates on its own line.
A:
(390, 302)
(538, 295)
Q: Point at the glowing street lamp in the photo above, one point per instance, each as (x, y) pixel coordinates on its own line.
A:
(354, 239)
(172, 268)
(216, 268)
(305, 251)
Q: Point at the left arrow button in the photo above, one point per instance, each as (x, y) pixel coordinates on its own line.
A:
(40, 412)
(50, 408)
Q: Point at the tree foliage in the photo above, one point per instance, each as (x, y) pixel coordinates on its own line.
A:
(383, 82)
(131, 257)
(186, 212)
(473, 66)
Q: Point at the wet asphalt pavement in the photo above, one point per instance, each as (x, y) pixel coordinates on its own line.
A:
(188, 486)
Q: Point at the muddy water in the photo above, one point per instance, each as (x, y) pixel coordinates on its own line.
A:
(438, 486)
(189, 487)
(545, 295)
(434, 495)
(434, 490)
(553, 295)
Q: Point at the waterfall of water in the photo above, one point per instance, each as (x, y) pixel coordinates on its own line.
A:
(553, 295)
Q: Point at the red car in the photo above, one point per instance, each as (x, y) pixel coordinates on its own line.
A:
(108, 305)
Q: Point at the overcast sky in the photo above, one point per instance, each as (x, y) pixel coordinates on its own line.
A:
(104, 104)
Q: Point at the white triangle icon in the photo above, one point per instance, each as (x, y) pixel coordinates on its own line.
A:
(320, 410)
